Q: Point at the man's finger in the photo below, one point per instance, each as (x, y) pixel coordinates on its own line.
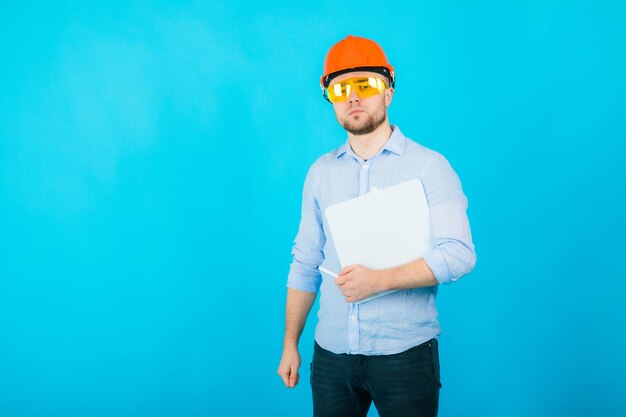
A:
(347, 269)
(284, 375)
(293, 378)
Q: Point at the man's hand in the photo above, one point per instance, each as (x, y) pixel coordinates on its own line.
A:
(357, 282)
(289, 365)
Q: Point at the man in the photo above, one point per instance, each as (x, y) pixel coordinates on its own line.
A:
(384, 350)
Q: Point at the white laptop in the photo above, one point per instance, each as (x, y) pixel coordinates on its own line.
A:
(384, 228)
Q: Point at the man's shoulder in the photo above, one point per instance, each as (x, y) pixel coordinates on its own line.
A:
(323, 163)
(328, 157)
(414, 149)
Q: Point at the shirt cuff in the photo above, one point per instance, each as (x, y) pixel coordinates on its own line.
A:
(304, 283)
(436, 262)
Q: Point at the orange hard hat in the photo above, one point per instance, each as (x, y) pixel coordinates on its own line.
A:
(355, 53)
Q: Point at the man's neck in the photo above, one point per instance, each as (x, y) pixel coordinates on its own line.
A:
(368, 145)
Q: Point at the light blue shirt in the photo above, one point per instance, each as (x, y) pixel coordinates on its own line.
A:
(403, 319)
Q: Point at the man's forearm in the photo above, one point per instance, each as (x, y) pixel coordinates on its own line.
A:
(299, 304)
(415, 274)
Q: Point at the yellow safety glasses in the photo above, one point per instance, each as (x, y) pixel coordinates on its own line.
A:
(363, 87)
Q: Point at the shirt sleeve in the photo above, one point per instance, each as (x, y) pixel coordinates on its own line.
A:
(454, 254)
(307, 253)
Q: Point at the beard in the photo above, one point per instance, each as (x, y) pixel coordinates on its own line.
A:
(357, 126)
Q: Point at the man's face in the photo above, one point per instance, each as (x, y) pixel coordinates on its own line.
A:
(361, 116)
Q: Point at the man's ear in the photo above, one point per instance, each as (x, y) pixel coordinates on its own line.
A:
(388, 96)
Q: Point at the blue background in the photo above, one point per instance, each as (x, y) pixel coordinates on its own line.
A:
(152, 156)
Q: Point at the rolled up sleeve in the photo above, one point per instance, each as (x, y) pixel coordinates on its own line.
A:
(454, 255)
(307, 253)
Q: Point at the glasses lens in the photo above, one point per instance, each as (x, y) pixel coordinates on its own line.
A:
(363, 86)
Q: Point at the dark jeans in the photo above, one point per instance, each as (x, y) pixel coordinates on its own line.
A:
(402, 385)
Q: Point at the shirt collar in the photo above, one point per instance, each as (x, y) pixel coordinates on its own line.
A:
(394, 144)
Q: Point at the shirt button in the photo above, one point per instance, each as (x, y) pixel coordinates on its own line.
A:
(365, 166)
(352, 317)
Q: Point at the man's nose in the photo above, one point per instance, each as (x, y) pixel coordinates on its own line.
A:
(353, 97)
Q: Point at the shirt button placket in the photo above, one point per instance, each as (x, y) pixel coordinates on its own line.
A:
(353, 328)
(364, 179)
(353, 323)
